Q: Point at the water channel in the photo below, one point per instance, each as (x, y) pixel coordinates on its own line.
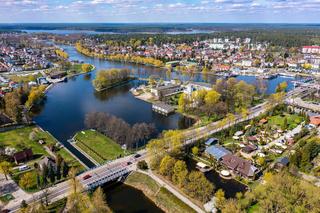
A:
(67, 103)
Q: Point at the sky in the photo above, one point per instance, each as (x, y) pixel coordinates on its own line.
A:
(143, 11)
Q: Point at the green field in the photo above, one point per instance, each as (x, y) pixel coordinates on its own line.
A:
(292, 119)
(98, 146)
(19, 139)
(161, 196)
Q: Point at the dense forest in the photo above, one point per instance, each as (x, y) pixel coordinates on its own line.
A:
(281, 37)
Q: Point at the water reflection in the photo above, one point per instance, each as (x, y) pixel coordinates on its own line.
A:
(125, 199)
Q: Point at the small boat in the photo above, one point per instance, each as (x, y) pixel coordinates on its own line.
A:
(203, 167)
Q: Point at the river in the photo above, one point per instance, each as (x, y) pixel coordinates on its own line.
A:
(67, 103)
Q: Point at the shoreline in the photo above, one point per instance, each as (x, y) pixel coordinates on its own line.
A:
(114, 85)
(160, 196)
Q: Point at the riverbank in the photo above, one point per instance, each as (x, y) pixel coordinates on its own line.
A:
(120, 57)
(114, 85)
(159, 195)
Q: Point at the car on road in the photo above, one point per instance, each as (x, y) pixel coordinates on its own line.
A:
(129, 163)
(86, 177)
(24, 168)
(137, 156)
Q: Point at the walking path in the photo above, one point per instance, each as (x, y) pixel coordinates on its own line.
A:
(173, 191)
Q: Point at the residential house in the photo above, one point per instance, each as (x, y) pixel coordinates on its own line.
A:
(217, 151)
(47, 161)
(22, 156)
(281, 163)
(315, 120)
(239, 166)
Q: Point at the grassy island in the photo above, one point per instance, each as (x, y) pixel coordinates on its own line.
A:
(106, 79)
(98, 146)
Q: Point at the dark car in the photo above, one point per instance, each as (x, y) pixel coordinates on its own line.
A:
(137, 156)
(86, 177)
(129, 163)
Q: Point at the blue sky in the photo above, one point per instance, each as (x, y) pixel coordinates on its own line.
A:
(254, 11)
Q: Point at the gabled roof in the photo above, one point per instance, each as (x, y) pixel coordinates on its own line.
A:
(23, 155)
(217, 151)
(239, 165)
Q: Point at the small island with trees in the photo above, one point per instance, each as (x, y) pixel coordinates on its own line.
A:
(106, 79)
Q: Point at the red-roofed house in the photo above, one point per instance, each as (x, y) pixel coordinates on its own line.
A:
(315, 120)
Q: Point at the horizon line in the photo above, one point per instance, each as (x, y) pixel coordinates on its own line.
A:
(316, 23)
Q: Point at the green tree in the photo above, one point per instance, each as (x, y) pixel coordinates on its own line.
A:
(12, 105)
(182, 103)
(195, 150)
(27, 180)
(142, 165)
(282, 87)
(199, 187)
(220, 198)
(232, 206)
(166, 166)
(98, 203)
(5, 168)
(86, 67)
(212, 97)
(285, 124)
(180, 173)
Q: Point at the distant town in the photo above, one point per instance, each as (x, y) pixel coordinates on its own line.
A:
(178, 123)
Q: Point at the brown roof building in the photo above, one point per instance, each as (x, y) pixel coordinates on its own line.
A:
(23, 156)
(240, 166)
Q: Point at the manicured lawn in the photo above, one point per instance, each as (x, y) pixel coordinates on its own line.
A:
(19, 139)
(98, 146)
(292, 119)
